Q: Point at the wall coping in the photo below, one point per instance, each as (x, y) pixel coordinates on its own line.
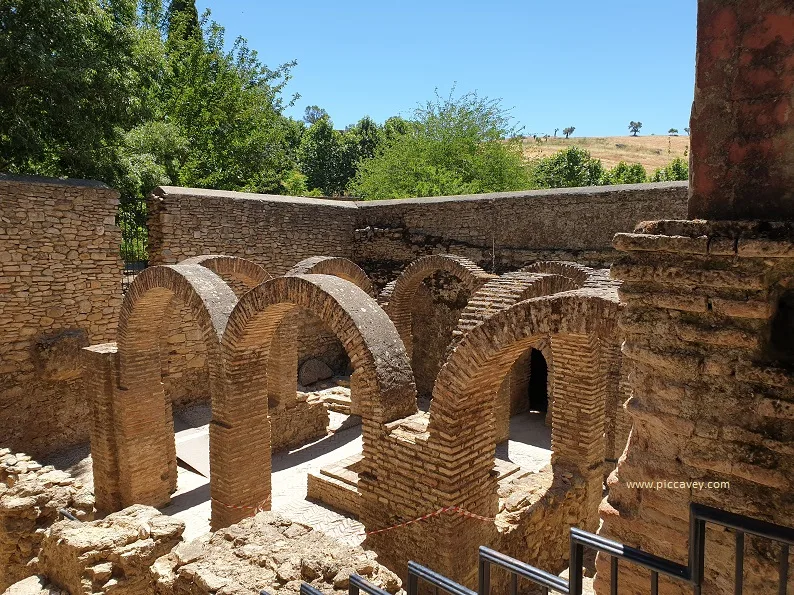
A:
(47, 181)
(588, 192)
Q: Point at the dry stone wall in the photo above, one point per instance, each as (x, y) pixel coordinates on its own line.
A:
(60, 289)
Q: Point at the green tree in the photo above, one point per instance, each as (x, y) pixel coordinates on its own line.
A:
(312, 113)
(183, 18)
(323, 157)
(673, 132)
(569, 168)
(676, 170)
(228, 106)
(452, 145)
(567, 131)
(634, 127)
(69, 85)
(624, 173)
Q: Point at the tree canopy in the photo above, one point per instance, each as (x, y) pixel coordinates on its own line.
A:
(452, 145)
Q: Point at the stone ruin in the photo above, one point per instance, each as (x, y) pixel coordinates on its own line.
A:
(448, 317)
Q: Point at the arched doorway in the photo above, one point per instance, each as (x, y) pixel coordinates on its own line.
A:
(538, 389)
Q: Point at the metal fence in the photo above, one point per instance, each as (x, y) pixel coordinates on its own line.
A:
(691, 574)
(134, 248)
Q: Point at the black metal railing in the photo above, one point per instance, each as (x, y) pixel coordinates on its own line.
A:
(699, 517)
(417, 572)
(134, 249)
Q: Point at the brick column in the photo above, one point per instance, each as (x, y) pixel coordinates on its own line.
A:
(100, 366)
(743, 116)
(282, 377)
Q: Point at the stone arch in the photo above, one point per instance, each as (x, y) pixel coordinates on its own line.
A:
(240, 274)
(240, 429)
(142, 414)
(406, 285)
(336, 266)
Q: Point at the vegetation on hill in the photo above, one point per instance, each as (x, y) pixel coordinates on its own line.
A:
(139, 94)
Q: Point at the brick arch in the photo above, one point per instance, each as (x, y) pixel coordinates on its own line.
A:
(336, 266)
(448, 457)
(468, 383)
(407, 284)
(240, 273)
(564, 268)
(240, 430)
(145, 444)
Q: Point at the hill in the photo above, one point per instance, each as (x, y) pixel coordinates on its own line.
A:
(651, 151)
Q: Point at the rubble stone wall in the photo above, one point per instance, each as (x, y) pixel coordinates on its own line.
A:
(505, 230)
(60, 289)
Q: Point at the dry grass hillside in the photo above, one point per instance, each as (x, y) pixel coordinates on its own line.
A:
(651, 151)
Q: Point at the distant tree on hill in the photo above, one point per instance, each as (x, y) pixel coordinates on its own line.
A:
(634, 127)
(556, 130)
(312, 113)
(686, 129)
(673, 132)
(567, 131)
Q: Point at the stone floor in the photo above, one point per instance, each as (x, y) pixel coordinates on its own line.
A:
(528, 447)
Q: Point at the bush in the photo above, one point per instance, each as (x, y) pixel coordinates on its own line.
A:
(569, 168)
(676, 171)
(623, 173)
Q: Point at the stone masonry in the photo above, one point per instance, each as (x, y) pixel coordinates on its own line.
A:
(60, 290)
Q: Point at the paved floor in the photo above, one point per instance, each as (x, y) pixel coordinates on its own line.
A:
(528, 447)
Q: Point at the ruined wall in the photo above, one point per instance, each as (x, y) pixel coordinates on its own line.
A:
(60, 289)
(506, 229)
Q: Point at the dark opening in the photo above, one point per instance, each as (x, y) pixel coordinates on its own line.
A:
(538, 382)
(782, 335)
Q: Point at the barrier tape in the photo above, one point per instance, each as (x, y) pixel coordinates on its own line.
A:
(259, 508)
(439, 512)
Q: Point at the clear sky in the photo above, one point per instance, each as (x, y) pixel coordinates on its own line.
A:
(591, 64)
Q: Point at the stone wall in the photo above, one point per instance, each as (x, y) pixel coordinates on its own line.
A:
(60, 289)
(505, 230)
(708, 330)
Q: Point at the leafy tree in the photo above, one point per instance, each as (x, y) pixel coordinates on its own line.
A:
(452, 145)
(634, 127)
(556, 130)
(312, 113)
(686, 129)
(673, 132)
(227, 105)
(624, 173)
(567, 131)
(676, 170)
(183, 18)
(569, 168)
(69, 85)
(323, 158)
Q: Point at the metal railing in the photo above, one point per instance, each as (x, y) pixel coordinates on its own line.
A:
(417, 572)
(699, 517)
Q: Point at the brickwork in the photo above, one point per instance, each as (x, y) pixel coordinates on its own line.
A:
(447, 457)
(501, 231)
(406, 285)
(239, 433)
(60, 289)
(705, 306)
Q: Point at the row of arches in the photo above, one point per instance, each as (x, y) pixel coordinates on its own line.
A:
(243, 317)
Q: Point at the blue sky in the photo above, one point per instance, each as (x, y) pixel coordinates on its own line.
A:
(589, 64)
